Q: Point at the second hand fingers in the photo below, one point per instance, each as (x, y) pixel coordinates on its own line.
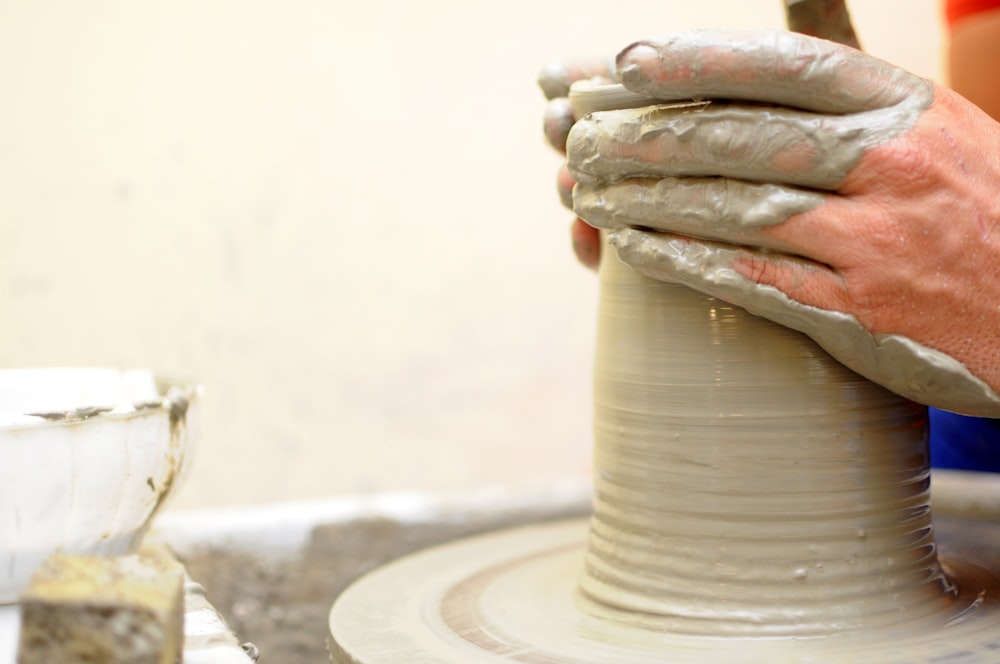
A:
(586, 243)
(564, 185)
(555, 78)
(558, 119)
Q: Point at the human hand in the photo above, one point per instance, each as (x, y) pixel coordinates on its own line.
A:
(555, 81)
(841, 196)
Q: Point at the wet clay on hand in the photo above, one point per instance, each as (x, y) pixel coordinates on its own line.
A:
(820, 188)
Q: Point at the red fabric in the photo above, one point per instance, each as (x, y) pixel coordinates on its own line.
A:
(955, 10)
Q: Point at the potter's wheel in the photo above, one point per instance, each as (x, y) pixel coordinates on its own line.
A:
(726, 528)
(511, 596)
(754, 501)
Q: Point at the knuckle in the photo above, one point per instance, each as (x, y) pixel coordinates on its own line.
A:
(760, 269)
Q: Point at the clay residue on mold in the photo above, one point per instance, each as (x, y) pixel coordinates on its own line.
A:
(73, 415)
(177, 401)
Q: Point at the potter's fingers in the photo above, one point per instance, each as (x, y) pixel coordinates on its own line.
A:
(769, 66)
(557, 120)
(564, 185)
(586, 243)
(765, 144)
(555, 81)
(708, 266)
(781, 289)
(721, 209)
(555, 78)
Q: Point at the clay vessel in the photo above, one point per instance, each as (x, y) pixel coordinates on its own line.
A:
(746, 483)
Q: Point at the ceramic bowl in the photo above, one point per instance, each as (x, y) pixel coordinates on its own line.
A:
(87, 458)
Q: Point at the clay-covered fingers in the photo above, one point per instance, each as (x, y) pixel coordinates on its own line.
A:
(711, 267)
(557, 120)
(586, 239)
(586, 243)
(818, 108)
(564, 185)
(555, 80)
(777, 67)
(733, 211)
(746, 142)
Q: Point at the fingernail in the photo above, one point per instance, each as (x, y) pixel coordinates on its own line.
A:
(638, 58)
(554, 80)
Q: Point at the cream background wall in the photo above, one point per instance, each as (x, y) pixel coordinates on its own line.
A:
(339, 216)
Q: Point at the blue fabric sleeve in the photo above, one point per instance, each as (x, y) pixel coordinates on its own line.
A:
(964, 443)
